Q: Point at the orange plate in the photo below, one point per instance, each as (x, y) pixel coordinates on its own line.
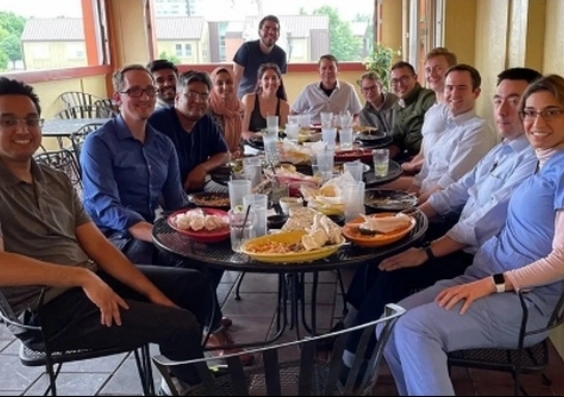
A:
(350, 231)
(203, 236)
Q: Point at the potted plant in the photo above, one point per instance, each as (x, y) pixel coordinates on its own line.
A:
(380, 62)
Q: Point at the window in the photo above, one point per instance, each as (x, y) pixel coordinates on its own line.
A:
(183, 50)
(187, 50)
(307, 29)
(39, 34)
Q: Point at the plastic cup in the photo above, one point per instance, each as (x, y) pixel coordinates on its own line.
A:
(240, 230)
(294, 119)
(346, 138)
(329, 136)
(272, 123)
(259, 204)
(353, 196)
(356, 169)
(237, 190)
(326, 119)
(381, 159)
(292, 131)
(325, 161)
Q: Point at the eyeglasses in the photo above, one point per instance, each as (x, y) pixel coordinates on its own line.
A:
(30, 122)
(136, 92)
(402, 79)
(192, 95)
(368, 89)
(546, 114)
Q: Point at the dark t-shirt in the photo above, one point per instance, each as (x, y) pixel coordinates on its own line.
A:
(192, 147)
(250, 56)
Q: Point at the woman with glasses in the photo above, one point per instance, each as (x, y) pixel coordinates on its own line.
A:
(226, 109)
(479, 308)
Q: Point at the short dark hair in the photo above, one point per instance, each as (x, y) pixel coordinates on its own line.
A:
(160, 64)
(402, 65)
(193, 76)
(119, 77)
(16, 87)
(527, 74)
(270, 18)
(474, 74)
(328, 57)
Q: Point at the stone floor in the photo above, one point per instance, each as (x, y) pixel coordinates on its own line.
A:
(253, 318)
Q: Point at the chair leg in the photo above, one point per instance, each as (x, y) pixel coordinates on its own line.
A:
(238, 286)
(343, 293)
(144, 368)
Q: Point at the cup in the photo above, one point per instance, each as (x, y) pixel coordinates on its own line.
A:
(346, 120)
(329, 136)
(259, 204)
(381, 158)
(326, 119)
(356, 169)
(272, 124)
(325, 161)
(278, 191)
(294, 119)
(253, 173)
(292, 131)
(289, 202)
(304, 120)
(237, 190)
(346, 137)
(353, 196)
(240, 230)
(270, 147)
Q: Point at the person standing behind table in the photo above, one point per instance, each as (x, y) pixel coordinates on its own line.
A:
(195, 135)
(252, 54)
(482, 194)
(409, 111)
(265, 101)
(377, 111)
(93, 296)
(226, 110)
(437, 62)
(479, 310)
(328, 95)
(166, 77)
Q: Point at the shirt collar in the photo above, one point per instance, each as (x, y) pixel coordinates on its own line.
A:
(517, 144)
(461, 118)
(411, 97)
(337, 86)
(11, 180)
(123, 132)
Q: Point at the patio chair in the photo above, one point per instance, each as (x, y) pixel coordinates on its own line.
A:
(78, 98)
(53, 360)
(77, 139)
(99, 111)
(310, 374)
(531, 359)
(63, 160)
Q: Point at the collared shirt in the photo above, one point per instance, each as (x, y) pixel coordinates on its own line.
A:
(465, 140)
(194, 147)
(434, 123)
(39, 220)
(485, 191)
(125, 179)
(408, 119)
(314, 101)
(381, 117)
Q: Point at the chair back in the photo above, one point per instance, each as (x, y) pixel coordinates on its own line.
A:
(86, 112)
(308, 374)
(62, 160)
(77, 138)
(78, 98)
(557, 317)
(8, 315)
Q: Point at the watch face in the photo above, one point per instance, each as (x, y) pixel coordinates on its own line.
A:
(499, 278)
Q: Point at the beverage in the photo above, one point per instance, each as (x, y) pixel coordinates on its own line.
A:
(259, 204)
(381, 169)
(346, 138)
(240, 230)
(380, 158)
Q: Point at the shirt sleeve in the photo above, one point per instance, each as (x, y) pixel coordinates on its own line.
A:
(100, 186)
(241, 57)
(472, 146)
(546, 270)
(173, 193)
(454, 196)
(300, 104)
(80, 215)
(283, 62)
(355, 106)
(487, 220)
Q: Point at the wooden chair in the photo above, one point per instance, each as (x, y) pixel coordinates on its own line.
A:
(515, 361)
(309, 374)
(53, 360)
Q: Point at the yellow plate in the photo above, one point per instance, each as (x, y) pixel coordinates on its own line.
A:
(291, 238)
(350, 231)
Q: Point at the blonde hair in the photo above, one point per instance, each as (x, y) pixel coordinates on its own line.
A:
(444, 52)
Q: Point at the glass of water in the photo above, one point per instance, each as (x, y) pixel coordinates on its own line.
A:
(381, 158)
(240, 229)
(259, 204)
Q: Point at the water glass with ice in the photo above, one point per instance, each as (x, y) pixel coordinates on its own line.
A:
(329, 137)
(346, 138)
(353, 196)
(237, 190)
(292, 131)
(259, 203)
(304, 120)
(326, 119)
(240, 229)
(356, 169)
(325, 161)
(272, 124)
(381, 158)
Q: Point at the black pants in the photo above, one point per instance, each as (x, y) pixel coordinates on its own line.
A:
(72, 321)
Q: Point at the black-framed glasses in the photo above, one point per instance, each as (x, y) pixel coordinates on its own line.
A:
(402, 79)
(12, 122)
(136, 92)
(546, 114)
(369, 88)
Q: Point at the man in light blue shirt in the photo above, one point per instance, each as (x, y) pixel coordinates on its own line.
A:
(482, 194)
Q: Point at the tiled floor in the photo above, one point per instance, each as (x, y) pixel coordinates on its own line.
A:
(253, 318)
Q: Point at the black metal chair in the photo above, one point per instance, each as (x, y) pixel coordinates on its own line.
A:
(53, 360)
(87, 112)
(77, 139)
(78, 98)
(531, 359)
(63, 160)
(311, 374)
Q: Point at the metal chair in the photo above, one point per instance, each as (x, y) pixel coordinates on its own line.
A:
(78, 98)
(311, 374)
(515, 361)
(87, 112)
(53, 360)
(77, 138)
(63, 160)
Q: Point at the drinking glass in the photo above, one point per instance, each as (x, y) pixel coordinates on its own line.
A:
(356, 169)
(253, 173)
(237, 190)
(326, 119)
(353, 196)
(329, 136)
(294, 119)
(346, 138)
(272, 124)
(346, 120)
(259, 204)
(241, 231)
(381, 158)
(292, 131)
(304, 120)
(325, 161)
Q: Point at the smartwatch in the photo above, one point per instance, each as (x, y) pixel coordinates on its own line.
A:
(499, 282)
(427, 248)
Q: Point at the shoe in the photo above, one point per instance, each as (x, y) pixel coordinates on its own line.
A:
(226, 322)
(222, 339)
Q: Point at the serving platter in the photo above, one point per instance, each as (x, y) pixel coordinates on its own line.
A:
(352, 233)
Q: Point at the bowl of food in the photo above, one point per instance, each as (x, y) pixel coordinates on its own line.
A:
(204, 225)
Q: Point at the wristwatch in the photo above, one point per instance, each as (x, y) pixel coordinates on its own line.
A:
(427, 248)
(499, 282)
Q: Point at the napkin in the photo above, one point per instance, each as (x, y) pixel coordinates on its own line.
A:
(385, 224)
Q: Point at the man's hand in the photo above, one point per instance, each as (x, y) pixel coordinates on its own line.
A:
(105, 299)
(410, 258)
(195, 179)
(470, 292)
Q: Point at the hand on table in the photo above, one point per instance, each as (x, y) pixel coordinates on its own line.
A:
(195, 179)
(410, 258)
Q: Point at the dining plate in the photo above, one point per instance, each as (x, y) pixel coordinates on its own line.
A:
(286, 238)
(389, 200)
(203, 236)
(353, 154)
(209, 199)
(351, 232)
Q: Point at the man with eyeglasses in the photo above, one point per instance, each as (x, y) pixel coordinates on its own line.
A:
(377, 111)
(254, 53)
(94, 296)
(166, 76)
(480, 197)
(408, 112)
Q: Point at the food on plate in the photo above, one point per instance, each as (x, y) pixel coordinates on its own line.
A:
(365, 129)
(383, 225)
(211, 200)
(197, 220)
